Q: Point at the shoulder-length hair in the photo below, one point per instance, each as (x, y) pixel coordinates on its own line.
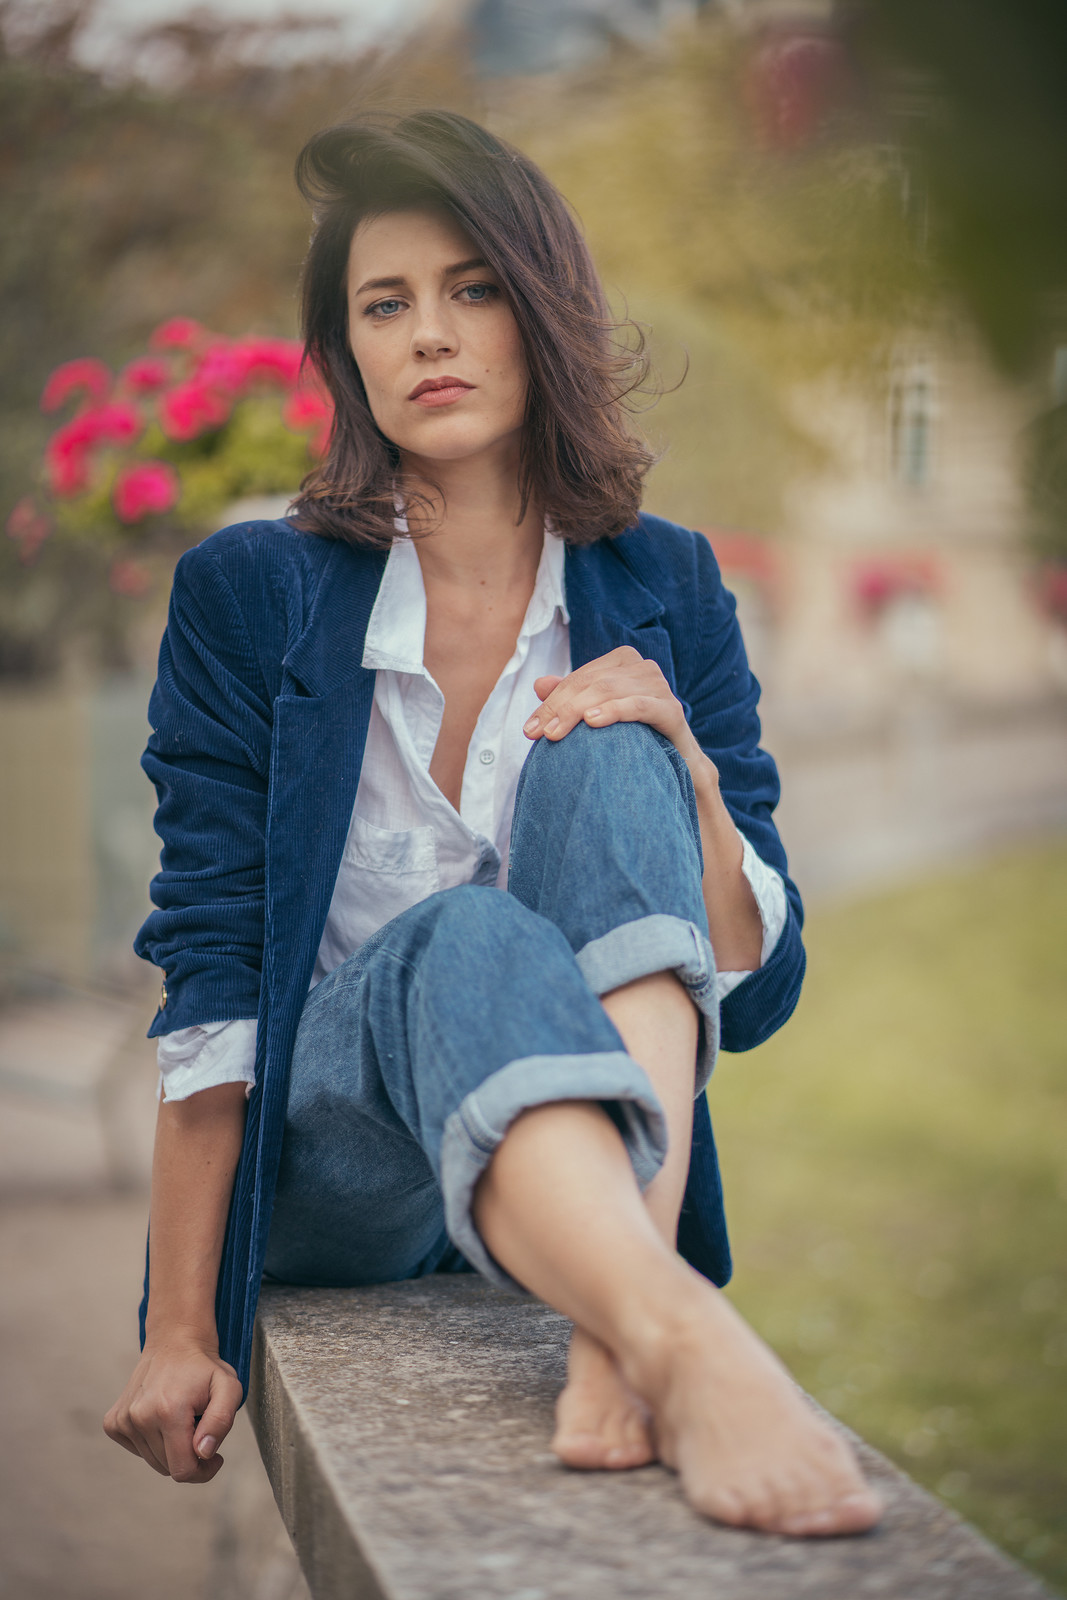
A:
(579, 459)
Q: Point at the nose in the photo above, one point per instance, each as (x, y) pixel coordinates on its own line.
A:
(432, 334)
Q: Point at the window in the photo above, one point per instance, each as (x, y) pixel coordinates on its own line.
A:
(911, 424)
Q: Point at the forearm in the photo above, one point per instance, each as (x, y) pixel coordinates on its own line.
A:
(198, 1145)
(734, 925)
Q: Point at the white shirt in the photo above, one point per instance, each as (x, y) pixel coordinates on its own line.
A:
(406, 840)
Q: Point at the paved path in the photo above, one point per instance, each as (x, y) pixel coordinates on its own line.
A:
(79, 1518)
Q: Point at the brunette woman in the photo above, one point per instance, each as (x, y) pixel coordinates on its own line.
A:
(468, 860)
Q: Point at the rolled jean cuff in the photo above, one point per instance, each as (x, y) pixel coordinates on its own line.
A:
(475, 1129)
(660, 943)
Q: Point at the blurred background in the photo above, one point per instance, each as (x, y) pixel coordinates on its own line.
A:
(842, 228)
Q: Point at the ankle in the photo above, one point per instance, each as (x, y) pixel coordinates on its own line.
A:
(669, 1319)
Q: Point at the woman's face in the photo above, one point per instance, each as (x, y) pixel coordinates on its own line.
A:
(422, 308)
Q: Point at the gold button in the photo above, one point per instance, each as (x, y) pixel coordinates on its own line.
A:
(163, 993)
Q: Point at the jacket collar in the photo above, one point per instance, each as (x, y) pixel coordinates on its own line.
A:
(607, 602)
(329, 651)
(600, 580)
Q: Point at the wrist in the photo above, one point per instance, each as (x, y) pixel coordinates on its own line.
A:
(201, 1334)
(705, 776)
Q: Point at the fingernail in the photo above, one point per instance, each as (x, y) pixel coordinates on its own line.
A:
(207, 1447)
(550, 727)
(595, 712)
(528, 727)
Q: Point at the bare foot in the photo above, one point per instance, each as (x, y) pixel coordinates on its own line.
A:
(748, 1447)
(600, 1422)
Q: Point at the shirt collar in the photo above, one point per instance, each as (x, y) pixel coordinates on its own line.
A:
(396, 631)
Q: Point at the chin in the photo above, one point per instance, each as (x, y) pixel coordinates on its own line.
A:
(454, 443)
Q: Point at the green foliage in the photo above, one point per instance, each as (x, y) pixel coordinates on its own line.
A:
(765, 268)
(1046, 476)
(896, 1181)
(981, 109)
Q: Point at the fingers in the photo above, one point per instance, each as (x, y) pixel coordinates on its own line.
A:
(619, 687)
(120, 1427)
(218, 1417)
(176, 1414)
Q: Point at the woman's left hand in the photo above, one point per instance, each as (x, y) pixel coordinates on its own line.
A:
(619, 687)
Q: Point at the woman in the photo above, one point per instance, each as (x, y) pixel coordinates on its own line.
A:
(467, 838)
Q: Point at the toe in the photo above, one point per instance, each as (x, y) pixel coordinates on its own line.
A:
(582, 1450)
(853, 1513)
(722, 1505)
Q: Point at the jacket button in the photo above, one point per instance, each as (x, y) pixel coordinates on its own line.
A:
(163, 993)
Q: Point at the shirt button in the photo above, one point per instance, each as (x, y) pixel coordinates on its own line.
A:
(487, 758)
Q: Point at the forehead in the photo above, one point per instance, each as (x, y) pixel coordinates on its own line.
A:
(400, 241)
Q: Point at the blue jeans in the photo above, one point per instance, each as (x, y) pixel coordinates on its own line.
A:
(415, 1055)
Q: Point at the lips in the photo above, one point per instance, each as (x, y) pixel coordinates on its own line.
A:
(438, 391)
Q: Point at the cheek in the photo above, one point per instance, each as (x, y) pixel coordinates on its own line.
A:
(509, 359)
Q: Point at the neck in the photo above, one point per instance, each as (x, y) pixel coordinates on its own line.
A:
(474, 535)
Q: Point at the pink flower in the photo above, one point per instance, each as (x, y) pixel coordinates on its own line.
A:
(68, 452)
(129, 578)
(146, 374)
(794, 82)
(309, 409)
(231, 365)
(86, 376)
(66, 464)
(276, 360)
(29, 527)
(180, 333)
(222, 366)
(1053, 590)
(191, 408)
(877, 582)
(150, 486)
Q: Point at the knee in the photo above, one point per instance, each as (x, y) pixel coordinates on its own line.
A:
(470, 907)
(620, 750)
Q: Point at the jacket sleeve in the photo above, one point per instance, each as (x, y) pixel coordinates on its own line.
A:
(208, 757)
(717, 685)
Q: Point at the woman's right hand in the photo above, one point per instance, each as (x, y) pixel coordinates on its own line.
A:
(177, 1381)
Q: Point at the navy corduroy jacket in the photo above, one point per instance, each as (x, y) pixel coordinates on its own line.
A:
(259, 718)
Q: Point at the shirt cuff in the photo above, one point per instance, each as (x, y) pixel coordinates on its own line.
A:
(769, 893)
(205, 1055)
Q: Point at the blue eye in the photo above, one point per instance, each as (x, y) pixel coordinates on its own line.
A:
(480, 291)
(381, 306)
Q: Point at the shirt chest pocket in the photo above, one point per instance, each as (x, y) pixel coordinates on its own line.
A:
(411, 853)
(382, 873)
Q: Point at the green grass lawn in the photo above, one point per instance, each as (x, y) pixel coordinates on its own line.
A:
(895, 1163)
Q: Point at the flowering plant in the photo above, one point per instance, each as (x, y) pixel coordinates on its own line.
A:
(1052, 590)
(878, 582)
(166, 444)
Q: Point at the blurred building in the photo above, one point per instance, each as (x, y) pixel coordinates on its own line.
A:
(904, 570)
(516, 37)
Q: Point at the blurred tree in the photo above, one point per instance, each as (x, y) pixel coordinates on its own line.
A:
(746, 209)
(1046, 472)
(127, 201)
(978, 89)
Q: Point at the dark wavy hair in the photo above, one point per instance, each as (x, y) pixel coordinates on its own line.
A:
(579, 459)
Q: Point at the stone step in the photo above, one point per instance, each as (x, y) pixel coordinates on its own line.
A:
(405, 1432)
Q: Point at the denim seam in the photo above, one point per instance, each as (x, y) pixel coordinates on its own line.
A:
(469, 1138)
(656, 943)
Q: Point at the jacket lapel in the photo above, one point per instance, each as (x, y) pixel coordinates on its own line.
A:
(320, 732)
(610, 607)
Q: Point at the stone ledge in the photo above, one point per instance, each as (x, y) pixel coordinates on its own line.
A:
(405, 1432)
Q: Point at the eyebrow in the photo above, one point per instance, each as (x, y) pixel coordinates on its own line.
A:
(400, 282)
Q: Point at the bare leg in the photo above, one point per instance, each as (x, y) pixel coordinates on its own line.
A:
(560, 1209)
(600, 1421)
